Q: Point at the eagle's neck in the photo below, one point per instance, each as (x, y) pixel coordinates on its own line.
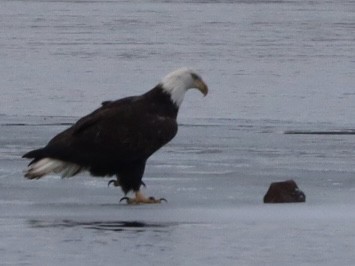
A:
(176, 86)
(176, 92)
(162, 102)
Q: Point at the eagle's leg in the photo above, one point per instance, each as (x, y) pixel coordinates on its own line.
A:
(141, 199)
(116, 183)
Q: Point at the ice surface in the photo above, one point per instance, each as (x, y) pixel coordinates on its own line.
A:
(271, 66)
(214, 213)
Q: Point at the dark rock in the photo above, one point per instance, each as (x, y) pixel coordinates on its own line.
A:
(284, 192)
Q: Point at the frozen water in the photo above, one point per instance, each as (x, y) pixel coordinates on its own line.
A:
(271, 66)
(214, 175)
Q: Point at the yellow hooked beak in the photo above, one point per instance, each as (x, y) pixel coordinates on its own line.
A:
(201, 86)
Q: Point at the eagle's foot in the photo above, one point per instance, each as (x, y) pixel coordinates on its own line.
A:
(150, 200)
(141, 199)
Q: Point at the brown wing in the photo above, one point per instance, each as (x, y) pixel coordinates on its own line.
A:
(117, 133)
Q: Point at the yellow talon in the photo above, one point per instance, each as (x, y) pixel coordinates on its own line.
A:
(141, 199)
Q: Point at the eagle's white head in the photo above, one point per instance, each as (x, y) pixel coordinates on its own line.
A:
(179, 81)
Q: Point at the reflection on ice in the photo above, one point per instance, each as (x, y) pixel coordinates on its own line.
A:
(116, 226)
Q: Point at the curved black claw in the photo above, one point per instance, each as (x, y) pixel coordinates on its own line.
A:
(124, 198)
(160, 200)
(163, 199)
(114, 182)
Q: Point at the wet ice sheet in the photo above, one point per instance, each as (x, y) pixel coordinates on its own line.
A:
(250, 236)
(214, 213)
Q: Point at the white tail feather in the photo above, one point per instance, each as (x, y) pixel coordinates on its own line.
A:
(48, 165)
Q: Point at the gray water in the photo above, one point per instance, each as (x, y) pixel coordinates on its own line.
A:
(271, 66)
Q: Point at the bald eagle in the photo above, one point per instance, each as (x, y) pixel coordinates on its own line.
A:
(119, 137)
